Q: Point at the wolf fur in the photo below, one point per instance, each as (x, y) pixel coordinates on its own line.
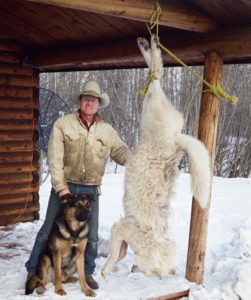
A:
(150, 176)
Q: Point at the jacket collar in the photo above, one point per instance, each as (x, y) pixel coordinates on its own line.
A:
(87, 125)
(96, 118)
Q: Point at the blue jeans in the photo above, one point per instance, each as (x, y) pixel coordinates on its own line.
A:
(55, 208)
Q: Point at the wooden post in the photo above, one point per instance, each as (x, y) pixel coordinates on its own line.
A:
(207, 134)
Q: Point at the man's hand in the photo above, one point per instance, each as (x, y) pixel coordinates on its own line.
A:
(65, 195)
(63, 192)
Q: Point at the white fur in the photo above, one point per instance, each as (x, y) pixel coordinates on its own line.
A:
(151, 172)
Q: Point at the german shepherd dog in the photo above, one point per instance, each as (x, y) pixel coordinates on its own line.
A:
(64, 254)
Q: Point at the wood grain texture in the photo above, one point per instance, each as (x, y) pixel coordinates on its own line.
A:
(171, 15)
(208, 124)
(19, 168)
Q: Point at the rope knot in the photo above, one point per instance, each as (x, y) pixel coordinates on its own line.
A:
(217, 91)
(151, 77)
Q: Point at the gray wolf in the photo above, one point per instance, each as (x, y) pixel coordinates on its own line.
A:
(150, 177)
(64, 254)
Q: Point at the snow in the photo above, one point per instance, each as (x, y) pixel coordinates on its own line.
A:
(228, 257)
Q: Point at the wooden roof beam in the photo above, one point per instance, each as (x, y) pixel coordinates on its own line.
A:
(172, 15)
(234, 44)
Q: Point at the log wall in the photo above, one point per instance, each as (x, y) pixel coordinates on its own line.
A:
(19, 152)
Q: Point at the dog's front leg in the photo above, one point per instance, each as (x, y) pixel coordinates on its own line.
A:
(80, 262)
(57, 261)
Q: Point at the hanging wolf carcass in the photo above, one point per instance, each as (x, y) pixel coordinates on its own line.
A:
(150, 178)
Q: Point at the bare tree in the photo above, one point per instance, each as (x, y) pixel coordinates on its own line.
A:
(233, 148)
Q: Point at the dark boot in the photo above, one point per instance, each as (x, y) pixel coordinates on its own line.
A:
(91, 282)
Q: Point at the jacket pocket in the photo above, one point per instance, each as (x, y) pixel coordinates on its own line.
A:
(102, 148)
(72, 144)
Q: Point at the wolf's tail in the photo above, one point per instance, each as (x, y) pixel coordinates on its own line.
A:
(31, 284)
(199, 165)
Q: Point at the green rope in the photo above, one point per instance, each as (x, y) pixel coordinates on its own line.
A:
(216, 90)
(151, 77)
(154, 22)
(155, 15)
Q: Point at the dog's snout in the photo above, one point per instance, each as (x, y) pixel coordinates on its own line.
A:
(83, 211)
(83, 215)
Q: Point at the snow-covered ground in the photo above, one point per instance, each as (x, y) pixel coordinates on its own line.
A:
(228, 257)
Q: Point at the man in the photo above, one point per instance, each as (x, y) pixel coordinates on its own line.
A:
(79, 146)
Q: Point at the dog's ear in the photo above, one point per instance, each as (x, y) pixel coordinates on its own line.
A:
(67, 197)
(89, 196)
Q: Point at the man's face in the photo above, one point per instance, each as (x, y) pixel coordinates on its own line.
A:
(89, 105)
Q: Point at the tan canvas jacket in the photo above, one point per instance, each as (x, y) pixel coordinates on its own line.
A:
(78, 156)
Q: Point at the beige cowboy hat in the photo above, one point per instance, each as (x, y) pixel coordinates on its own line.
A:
(91, 88)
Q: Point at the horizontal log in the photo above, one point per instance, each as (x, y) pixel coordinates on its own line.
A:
(17, 114)
(19, 159)
(17, 146)
(19, 179)
(171, 15)
(17, 176)
(15, 69)
(19, 133)
(7, 220)
(173, 296)
(21, 197)
(30, 156)
(16, 91)
(20, 123)
(28, 135)
(16, 126)
(16, 102)
(16, 137)
(15, 157)
(6, 181)
(16, 211)
(11, 46)
(22, 103)
(15, 164)
(233, 44)
(20, 190)
(17, 185)
(16, 200)
(18, 167)
(8, 57)
(22, 81)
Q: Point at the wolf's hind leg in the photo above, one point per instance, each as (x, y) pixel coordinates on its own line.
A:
(145, 50)
(118, 249)
(156, 58)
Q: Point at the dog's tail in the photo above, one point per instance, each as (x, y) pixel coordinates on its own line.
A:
(199, 165)
(31, 284)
